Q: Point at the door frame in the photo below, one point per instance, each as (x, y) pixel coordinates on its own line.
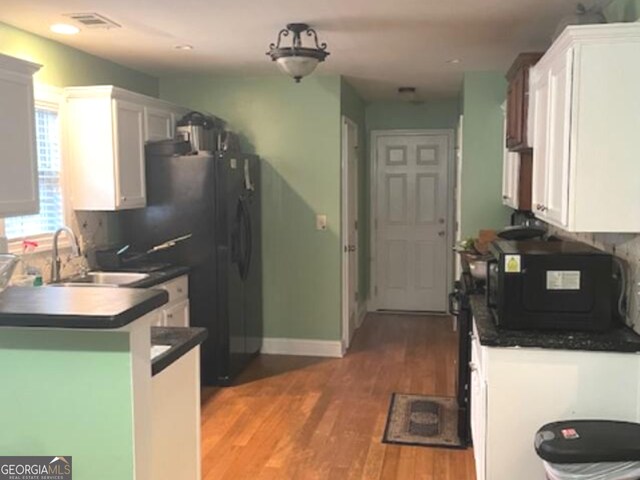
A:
(373, 304)
(346, 336)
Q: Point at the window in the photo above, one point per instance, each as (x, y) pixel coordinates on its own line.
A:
(52, 207)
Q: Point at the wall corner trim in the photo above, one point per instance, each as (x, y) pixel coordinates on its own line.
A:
(302, 347)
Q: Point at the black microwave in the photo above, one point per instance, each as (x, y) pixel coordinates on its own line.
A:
(559, 285)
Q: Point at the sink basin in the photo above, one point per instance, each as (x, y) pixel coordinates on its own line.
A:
(104, 279)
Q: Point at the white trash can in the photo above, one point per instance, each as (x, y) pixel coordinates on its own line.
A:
(590, 450)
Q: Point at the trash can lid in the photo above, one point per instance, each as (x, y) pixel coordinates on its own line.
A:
(588, 441)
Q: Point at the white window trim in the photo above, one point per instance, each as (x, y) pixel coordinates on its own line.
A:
(51, 98)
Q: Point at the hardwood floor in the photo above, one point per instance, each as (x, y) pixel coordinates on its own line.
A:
(318, 418)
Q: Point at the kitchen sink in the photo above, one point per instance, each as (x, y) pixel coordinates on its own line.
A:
(104, 279)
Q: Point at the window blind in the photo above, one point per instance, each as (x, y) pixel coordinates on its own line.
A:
(51, 216)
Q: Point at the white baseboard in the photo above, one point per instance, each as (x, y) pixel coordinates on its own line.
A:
(303, 347)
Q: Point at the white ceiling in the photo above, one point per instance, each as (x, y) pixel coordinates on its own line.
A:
(378, 45)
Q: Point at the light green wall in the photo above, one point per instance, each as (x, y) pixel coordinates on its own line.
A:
(63, 66)
(436, 114)
(354, 107)
(623, 11)
(482, 153)
(295, 128)
(68, 393)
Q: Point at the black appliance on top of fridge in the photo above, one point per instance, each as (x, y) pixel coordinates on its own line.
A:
(215, 197)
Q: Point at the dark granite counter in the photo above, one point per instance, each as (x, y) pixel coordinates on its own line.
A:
(160, 276)
(76, 307)
(180, 339)
(619, 339)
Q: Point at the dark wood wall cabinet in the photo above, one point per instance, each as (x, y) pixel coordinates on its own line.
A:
(518, 101)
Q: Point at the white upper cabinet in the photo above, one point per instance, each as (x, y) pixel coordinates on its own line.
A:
(18, 156)
(159, 124)
(106, 129)
(510, 173)
(585, 117)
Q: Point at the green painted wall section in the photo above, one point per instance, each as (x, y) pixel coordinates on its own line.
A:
(63, 66)
(623, 11)
(295, 128)
(354, 107)
(68, 393)
(436, 114)
(482, 152)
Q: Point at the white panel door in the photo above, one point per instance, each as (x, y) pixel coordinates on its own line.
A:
(350, 228)
(129, 147)
(412, 222)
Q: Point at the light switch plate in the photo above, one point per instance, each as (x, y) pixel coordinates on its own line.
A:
(321, 222)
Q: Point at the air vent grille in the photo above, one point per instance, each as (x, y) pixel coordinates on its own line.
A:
(93, 20)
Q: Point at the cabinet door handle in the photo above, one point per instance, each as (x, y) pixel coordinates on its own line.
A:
(180, 290)
(170, 315)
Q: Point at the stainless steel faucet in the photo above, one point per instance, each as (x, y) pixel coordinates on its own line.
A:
(55, 260)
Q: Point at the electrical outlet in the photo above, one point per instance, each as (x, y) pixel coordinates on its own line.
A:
(321, 222)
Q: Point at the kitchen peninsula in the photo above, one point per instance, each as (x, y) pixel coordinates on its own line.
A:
(79, 380)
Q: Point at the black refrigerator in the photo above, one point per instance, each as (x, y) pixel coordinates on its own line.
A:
(216, 198)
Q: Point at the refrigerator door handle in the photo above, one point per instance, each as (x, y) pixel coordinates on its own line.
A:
(246, 240)
(247, 176)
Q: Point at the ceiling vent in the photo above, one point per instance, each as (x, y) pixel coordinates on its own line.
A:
(92, 20)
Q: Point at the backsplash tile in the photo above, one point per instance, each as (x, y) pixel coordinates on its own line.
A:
(93, 229)
(625, 246)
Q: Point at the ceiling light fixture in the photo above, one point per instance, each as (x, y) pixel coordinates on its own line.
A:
(408, 94)
(184, 47)
(453, 60)
(298, 61)
(64, 29)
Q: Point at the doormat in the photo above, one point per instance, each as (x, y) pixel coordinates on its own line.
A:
(422, 421)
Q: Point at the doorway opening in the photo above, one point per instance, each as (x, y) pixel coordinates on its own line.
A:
(412, 219)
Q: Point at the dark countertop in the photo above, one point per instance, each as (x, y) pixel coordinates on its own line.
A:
(181, 340)
(619, 339)
(76, 307)
(160, 276)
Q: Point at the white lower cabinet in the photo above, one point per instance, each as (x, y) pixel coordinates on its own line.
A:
(514, 391)
(176, 312)
(175, 444)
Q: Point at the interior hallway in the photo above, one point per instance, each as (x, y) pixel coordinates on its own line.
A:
(316, 418)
